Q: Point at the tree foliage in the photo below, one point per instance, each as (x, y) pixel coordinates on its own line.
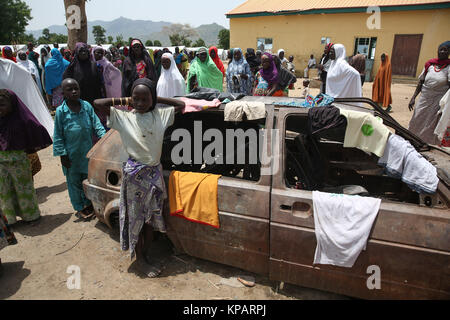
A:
(157, 43)
(119, 41)
(110, 39)
(180, 34)
(149, 43)
(14, 17)
(199, 43)
(99, 34)
(49, 38)
(224, 39)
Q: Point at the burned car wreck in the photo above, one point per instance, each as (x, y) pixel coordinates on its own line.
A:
(266, 208)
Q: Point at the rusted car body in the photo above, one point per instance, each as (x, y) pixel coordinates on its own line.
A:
(267, 225)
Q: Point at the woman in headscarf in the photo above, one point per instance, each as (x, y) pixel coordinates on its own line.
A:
(381, 91)
(20, 134)
(111, 76)
(239, 75)
(434, 81)
(157, 55)
(266, 81)
(30, 67)
(137, 65)
(324, 66)
(204, 72)
(285, 77)
(253, 60)
(281, 56)
(8, 54)
(44, 57)
(214, 54)
(171, 82)
(85, 72)
(343, 81)
(54, 70)
(33, 56)
(68, 54)
(116, 58)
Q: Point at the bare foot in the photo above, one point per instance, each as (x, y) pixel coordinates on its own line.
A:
(150, 270)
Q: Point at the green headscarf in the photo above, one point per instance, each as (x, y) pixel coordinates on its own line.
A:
(208, 75)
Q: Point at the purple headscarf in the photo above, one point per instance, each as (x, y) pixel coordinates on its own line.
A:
(271, 74)
(21, 131)
(112, 77)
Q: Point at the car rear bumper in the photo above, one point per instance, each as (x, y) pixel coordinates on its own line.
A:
(105, 201)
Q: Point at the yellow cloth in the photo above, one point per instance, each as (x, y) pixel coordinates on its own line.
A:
(365, 132)
(193, 196)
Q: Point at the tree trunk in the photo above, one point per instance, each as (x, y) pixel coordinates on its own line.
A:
(76, 22)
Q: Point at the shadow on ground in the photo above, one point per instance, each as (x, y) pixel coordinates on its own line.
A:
(45, 225)
(44, 192)
(11, 281)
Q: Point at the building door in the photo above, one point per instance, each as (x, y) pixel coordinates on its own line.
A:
(405, 54)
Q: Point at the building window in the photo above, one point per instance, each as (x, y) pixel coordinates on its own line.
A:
(366, 46)
(265, 44)
(325, 40)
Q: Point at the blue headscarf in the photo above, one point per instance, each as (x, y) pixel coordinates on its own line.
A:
(54, 70)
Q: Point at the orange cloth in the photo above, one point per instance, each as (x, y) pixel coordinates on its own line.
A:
(193, 196)
(381, 91)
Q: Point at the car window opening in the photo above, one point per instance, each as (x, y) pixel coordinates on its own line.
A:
(320, 162)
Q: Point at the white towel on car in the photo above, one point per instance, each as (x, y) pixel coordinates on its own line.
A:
(234, 111)
(342, 226)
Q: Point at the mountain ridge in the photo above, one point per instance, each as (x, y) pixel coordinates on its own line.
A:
(142, 29)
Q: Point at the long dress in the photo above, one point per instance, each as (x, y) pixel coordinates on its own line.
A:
(425, 117)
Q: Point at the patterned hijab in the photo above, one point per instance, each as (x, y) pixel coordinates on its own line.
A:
(271, 74)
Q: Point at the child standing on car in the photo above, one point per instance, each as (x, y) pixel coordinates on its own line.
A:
(142, 192)
(75, 124)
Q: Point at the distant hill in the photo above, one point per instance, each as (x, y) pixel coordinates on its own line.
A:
(144, 30)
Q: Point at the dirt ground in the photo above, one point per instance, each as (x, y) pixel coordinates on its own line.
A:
(36, 268)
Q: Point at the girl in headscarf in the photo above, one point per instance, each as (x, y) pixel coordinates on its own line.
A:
(343, 81)
(143, 191)
(204, 72)
(8, 54)
(111, 76)
(381, 91)
(45, 56)
(116, 58)
(285, 77)
(137, 65)
(20, 134)
(434, 81)
(266, 81)
(157, 58)
(324, 66)
(239, 75)
(54, 70)
(214, 54)
(33, 57)
(30, 67)
(85, 72)
(253, 60)
(171, 82)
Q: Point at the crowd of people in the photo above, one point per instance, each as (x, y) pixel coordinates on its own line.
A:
(91, 90)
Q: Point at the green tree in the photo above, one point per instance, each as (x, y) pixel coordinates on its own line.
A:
(110, 39)
(129, 40)
(149, 43)
(157, 43)
(46, 35)
(186, 42)
(119, 41)
(99, 34)
(28, 38)
(14, 17)
(199, 43)
(224, 39)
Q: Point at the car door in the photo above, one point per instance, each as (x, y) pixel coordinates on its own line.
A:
(242, 240)
(409, 247)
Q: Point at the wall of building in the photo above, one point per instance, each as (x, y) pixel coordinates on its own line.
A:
(300, 35)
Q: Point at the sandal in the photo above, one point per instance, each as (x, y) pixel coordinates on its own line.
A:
(81, 215)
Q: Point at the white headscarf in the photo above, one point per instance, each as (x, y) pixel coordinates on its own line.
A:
(343, 81)
(30, 67)
(17, 79)
(171, 83)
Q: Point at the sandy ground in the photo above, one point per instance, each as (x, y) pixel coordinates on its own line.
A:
(36, 268)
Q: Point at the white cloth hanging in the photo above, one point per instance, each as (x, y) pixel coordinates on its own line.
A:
(444, 121)
(171, 83)
(19, 80)
(343, 81)
(342, 225)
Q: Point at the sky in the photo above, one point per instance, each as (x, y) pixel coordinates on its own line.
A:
(195, 12)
